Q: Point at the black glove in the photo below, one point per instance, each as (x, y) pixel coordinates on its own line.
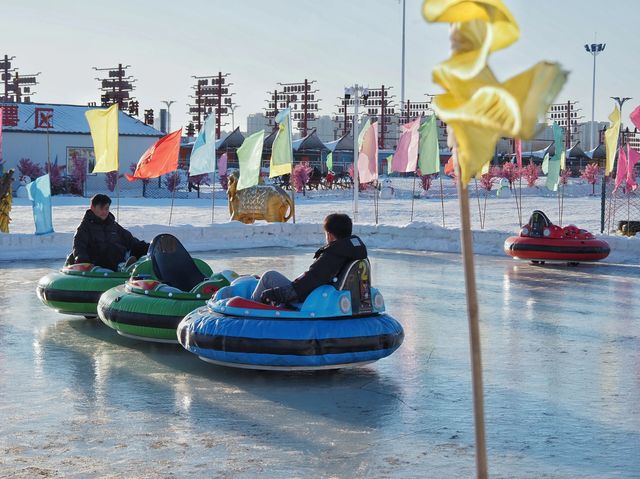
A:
(273, 296)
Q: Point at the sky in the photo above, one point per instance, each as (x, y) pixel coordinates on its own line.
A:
(334, 42)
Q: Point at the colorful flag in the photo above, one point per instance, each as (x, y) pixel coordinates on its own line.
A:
(104, 133)
(362, 132)
(518, 145)
(632, 158)
(429, 160)
(621, 171)
(249, 158)
(203, 154)
(635, 117)
(161, 158)
(282, 149)
(368, 157)
(39, 192)
(545, 163)
(222, 165)
(405, 159)
(389, 164)
(330, 161)
(611, 139)
(555, 163)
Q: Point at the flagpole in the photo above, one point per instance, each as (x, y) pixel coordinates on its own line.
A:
(213, 195)
(117, 196)
(173, 195)
(442, 198)
(413, 195)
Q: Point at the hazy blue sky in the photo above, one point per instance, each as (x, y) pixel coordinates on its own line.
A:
(336, 42)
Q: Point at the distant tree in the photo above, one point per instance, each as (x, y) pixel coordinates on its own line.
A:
(55, 177)
(590, 174)
(511, 173)
(172, 181)
(197, 181)
(564, 176)
(78, 176)
(111, 179)
(300, 175)
(26, 167)
(531, 173)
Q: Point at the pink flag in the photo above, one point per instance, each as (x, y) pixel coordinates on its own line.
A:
(632, 158)
(405, 159)
(368, 157)
(222, 165)
(518, 142)
(635, 117)
(621, 172)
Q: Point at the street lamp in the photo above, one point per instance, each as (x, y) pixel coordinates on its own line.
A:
(594, 49)
(355, 91)
(620, 102)
(168, 103)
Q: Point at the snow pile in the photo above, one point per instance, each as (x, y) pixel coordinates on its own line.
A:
(234, 235)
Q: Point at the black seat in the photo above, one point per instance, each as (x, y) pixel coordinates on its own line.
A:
(356, 277)
(538, 222)
(172, 264)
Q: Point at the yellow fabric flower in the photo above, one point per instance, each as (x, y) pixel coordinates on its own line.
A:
(478, 107)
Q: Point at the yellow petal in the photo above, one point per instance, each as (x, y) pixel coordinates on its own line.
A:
(534, 90)
(505, 28)
(475, 148)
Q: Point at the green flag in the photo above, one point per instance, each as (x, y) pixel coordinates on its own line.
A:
(330, 161)
(282, 149)
(389, 164)
(249, 156)
(361, 134)
(545, 163)
(553, 174)
(429, 149)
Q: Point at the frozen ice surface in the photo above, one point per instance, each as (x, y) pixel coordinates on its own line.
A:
(561, 352)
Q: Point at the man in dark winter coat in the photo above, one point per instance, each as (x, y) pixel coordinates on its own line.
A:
(342, 247)
(102, 241)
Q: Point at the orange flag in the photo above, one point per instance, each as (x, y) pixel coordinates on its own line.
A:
(159, 159)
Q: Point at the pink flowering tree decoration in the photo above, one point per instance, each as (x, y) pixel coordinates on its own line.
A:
(590, 175)
(531, 173)
(172, 181)
(300, 176)
(564, 176)
(511, 173)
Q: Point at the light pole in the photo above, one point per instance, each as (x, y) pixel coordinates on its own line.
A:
(168, 103)
(355, 92)
(233, 107)
(603, 197)
(594, 49)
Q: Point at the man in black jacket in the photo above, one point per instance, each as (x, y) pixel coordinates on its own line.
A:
(102, 241)
(342, 247)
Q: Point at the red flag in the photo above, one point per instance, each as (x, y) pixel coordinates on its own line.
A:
(159, 159)
(519, 152)
(449, 168)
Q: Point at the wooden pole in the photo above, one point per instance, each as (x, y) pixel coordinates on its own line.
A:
(413, 195)
(442, 198)
(173, 195)
(474, 331)
(213, 196)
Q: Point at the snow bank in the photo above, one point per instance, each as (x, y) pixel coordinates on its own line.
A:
(234, 235)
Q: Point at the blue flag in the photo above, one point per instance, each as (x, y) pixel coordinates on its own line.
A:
(39, 192)
(203, 154)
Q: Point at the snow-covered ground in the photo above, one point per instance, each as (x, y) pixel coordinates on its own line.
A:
(394, 228)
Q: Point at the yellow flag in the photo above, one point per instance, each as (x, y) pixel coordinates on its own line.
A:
(104, 133)
(611, 139)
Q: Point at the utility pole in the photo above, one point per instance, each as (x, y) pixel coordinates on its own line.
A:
(211, 96)
(117, 88)
(302, 101)
(17, 88)
(341, 117)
